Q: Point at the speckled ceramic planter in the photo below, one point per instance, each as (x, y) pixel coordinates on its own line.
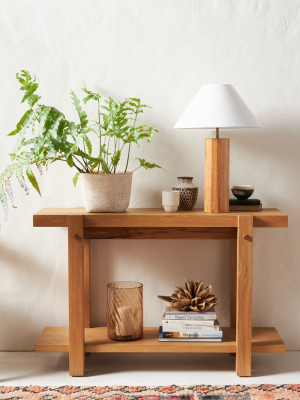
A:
(106, 192)
(188, 192)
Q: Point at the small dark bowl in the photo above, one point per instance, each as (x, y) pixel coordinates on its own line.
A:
(242, 192)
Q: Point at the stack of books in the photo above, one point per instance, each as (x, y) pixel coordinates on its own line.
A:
(245, 205)
(188, 326)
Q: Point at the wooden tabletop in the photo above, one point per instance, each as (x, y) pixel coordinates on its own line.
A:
(157, 217)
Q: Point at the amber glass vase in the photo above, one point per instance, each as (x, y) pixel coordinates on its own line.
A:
(124, 310)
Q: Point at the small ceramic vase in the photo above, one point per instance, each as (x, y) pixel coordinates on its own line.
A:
(170, 200)
(188, 192)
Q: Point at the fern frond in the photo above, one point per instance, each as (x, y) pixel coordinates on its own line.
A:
(40, 168)
(42, 118)
(20, 177)
(2, 195)
(147, 165)
(116, 158)
(75, 179)
(82, 114)
(30, 86)
(90, 95)
(88, 143)
(23, 125)
(9, 192)
(32, 179)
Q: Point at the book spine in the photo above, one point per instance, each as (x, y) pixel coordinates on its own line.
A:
(183, 328)
(208, 322)
(181, 340)
(193, 335)
(247, 202)
(189, 313)
(245, 208)
(198, 317)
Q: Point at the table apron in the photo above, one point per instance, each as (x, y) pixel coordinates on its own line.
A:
(160, 233)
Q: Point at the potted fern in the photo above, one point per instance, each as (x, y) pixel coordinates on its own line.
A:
(45, 136)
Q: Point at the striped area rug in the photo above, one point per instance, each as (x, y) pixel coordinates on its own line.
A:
(197, 392)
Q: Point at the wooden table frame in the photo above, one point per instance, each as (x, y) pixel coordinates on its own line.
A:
(80, 338)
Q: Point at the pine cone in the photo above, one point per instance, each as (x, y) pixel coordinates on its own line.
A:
(192, 297)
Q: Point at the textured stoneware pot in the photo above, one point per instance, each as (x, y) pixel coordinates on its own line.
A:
(106, 192)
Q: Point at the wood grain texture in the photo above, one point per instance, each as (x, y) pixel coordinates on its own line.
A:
(216, 176)
(158, 218)
(160, 233)
(264, 340)
(156, 224)
(233, 277)
(244, 295)
(266, 219)
(76, 295)
(86, 284)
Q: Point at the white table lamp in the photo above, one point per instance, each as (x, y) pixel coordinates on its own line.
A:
(217, 106)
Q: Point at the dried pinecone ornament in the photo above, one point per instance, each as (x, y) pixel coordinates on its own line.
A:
(192, 297)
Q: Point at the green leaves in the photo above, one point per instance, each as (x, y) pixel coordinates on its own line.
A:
(88, 143)
(21, 123)
(32, 179)
(15, 168)
(19, 175)
(29, 85)
(22, 126)
(70, 161)
(75, 179)
(104, 166)
(52, 122)
(147, 165)
(90, 95)
(115, 119)
(116, 158)
(82, 115)
(44, 135)
(42, 118)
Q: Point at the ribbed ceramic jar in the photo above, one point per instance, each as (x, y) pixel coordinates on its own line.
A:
(124, 310)
(106, 192)
(188, 192)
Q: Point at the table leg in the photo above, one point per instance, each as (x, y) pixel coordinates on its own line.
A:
(76, 295)
(244, 295)
(233, 268)
(86, 284)
(87, 292)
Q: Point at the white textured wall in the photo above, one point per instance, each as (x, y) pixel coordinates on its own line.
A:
(162, 51)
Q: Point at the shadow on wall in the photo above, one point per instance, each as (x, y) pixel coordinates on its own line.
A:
(172, 149)
(267, 158)
(271, 155)
(160, 265)
(23, 307)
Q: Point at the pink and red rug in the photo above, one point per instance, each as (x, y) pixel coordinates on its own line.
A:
(197, 392)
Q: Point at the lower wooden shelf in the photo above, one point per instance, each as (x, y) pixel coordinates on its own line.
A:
(264, 340)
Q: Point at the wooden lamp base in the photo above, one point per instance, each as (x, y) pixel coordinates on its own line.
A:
(216, 180)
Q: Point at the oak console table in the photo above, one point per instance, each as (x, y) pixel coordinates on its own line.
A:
(79, 338)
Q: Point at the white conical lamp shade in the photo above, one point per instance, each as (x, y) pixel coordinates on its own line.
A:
(217, 106)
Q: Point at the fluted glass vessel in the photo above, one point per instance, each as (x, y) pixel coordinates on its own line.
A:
(124, 310)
